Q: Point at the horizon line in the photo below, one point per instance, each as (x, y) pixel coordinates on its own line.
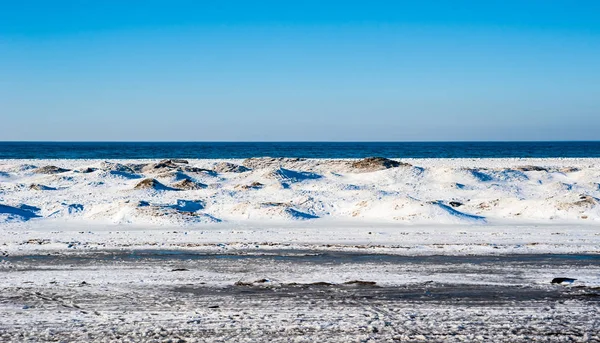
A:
(315, 141)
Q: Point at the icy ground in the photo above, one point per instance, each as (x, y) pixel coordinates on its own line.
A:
(301, 296)
(48, 236)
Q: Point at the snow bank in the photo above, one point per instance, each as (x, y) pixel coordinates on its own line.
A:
(411, 191)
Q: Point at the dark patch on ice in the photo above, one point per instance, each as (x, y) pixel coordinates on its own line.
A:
(560, 280)
(436, 293)
(316, 256)
(267, 283)
(241, 283)
(361, 283)
(455, 203)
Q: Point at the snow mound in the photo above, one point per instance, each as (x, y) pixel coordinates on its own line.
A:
(152, 184)
(64, 210)
(117, 174)
(11, 168)
(174, 175)
(430, 191)
(50, 170)
(188, 185)
(183, 212)
(371, 164)
(269, 162)
(226, 167)
(503, 175)
(38, 187)
(116, 167)
(253, 185)
(411, 210)
(271, 211)
(286, 175)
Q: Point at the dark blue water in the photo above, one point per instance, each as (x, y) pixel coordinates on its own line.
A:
(114, 150)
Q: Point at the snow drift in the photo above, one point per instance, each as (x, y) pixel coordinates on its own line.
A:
(411, 191)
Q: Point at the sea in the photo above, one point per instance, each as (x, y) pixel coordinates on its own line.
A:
(231, 150)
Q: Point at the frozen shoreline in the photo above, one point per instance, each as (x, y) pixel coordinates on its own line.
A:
(150, 296)
(246, 238)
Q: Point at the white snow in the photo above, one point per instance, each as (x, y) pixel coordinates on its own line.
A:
(481, 190)
(454, 206)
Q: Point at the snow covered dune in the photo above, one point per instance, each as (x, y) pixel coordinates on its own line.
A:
(192, 192)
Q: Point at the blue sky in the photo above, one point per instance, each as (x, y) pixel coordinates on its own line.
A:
(299, 70)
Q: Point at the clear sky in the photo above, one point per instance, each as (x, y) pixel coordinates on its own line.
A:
(299, 70)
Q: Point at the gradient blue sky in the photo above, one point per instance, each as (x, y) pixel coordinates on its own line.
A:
(299, 70)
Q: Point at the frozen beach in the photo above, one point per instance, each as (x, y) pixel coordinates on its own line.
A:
(299, 171)
(304, 296)
(300, 250)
